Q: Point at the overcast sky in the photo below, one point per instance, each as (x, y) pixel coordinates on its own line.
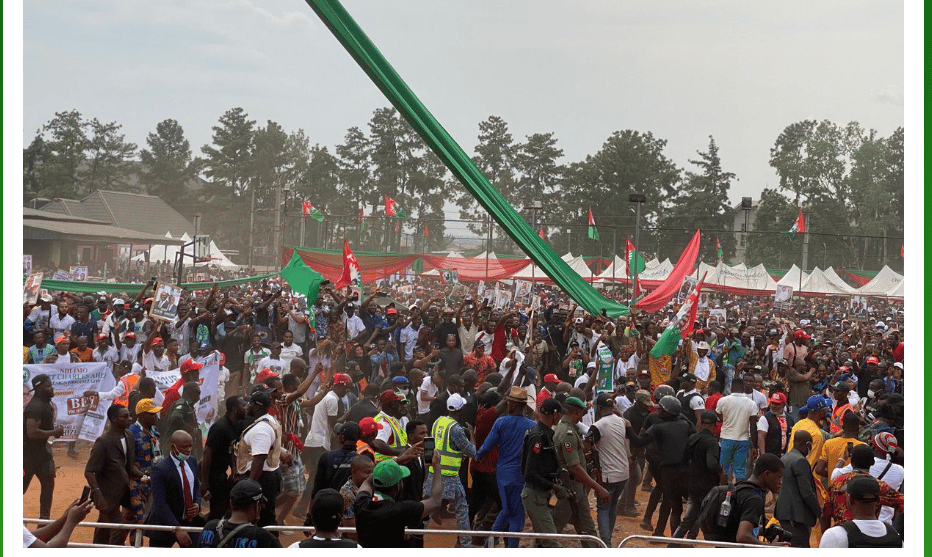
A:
(740, 71)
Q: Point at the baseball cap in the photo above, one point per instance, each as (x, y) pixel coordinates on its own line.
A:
(872, 360)
(60, 338)
(400, 380)
(578, 320)
(590, 365)
(455, 402)
(102, 300)
(550, 407)
(801, 334)
(265, 374)
(147, 406)
(206, 346)
(39, 380)
(350, 430)
(778, 398)
(102, 336)
(156, 340)
(246, 491)
(119, 302)
(125, 363)
(818, 402)
(644, 373)
(368, 426)
(605, 400)
(391, 311)
(551, 378)
(388, 473)
(841, 386)
(190, 365)
(131, 334)
(342, 379)
(261, 396)
(690, 378)
(885, 441)
(389, 396)
(898, 364)
(574, 402)
(863, 488)
(327, 506)
(708, 417)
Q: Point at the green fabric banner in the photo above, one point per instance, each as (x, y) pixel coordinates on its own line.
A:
(302, 278)
(355, 41)
(130, 287)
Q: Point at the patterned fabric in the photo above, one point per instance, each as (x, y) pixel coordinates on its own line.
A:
(293, 480)
(147, 455)
(656, 367)
(483, 366)
(349, 492)
(836, 506)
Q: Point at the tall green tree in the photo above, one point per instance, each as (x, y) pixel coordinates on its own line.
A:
(540, 175)
(228, 160)
(769, 243)
(62, 149)
(108, 156)
(701, 203)
(167, 165)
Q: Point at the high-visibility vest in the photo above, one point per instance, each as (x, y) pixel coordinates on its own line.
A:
(399, 437)
(834, 424)
(129, 380)
(450, 458)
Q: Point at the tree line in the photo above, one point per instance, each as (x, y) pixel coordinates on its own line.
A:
(848, 181)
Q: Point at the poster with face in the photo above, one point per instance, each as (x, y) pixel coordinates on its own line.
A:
(717, 318)
(79, 273)
(165, 302)
(689, 284)
(27, 265)
(31, 288)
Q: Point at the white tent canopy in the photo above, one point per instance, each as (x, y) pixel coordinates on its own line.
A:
(819, 283)
(833, 277)
(755, 278)
(791, 278)
(163, 253)
(886, 281)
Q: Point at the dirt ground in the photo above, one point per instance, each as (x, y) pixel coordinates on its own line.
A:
(70, 481)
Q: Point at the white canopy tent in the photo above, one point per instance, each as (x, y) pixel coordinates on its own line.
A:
(163, 253)
(819, 283)
(833, 277)
(886, 281)
(791, 278)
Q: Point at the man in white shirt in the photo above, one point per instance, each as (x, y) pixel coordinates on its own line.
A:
(584, 378)
(117, 318)
(273, 362)
(426, 393)
(60, 320)
(354, 325)
(264, 439)
(864, 530)
(408, 338)
(290, 350)
(738, 413)
(154, 358)
(252, 357)
(884, 445)
(103, 352)
(609, 436)
(129, 350)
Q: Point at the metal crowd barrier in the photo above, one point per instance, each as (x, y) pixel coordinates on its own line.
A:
(681, 541)
(343, 530)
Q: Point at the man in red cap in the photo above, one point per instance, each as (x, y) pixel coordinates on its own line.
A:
(549, 389)
(190, 371)
(774, 427)
(153, 354)
(368, 429)
(795, 353)
(392, 438)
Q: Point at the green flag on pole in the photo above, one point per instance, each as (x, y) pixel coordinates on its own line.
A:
(302, 278)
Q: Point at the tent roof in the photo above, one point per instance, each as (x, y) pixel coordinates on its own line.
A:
(791, 278)
(819, 283)
(886, 281)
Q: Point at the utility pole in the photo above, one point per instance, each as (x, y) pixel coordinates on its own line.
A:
(252, 221)
(277, 232)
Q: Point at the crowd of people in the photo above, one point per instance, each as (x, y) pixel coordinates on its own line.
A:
(386, 409)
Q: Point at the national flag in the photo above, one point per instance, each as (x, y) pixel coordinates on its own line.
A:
(902, 247)
(718, 248)
(351, 272)
(632, 256)
(593, 231)
(799, 227)
(680, 326)
(541, 234)
(426, 235)
(360, 220)
(302, 278)
(393, 209)
(311, 211)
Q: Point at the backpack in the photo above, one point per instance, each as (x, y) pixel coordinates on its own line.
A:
(712, 504)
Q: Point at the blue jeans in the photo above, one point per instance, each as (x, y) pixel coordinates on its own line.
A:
(608, 512)
(733, 456)
(729, 371)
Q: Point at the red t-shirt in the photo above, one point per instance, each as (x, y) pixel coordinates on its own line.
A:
(171, 395)
(898, 352)
(710, 403)
(485, 419)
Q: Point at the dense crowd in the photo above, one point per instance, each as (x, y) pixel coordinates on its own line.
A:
(385, 409)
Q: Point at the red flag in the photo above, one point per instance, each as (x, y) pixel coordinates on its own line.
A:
(902, 247)
(391, 206)
(362, 214)
(693, 301)
(426, 235)
(351, 272)
(629, 247)
(306, 207)
(541, 234)
(799, 226)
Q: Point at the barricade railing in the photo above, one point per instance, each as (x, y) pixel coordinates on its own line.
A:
(684, 542)
(343, 530)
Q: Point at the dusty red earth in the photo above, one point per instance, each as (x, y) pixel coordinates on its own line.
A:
(70, 482)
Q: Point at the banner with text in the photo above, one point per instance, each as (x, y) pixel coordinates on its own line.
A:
(81, 417)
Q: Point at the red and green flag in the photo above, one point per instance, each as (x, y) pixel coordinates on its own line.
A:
(634, 263)
(680, 326)
(360, 220)
(352, 275)
(393, 209)
(311, 211)
(799, 226)
(718, 248)
(426, 235)
(593, 231)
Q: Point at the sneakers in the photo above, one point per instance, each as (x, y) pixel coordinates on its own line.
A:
(646, 525)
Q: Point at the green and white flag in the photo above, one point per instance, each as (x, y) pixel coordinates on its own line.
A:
(680, 326)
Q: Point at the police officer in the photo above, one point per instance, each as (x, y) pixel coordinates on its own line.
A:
(570, 456)
(541, 471)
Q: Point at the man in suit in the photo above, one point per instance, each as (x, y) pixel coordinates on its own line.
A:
(798, 506)
(176, 495)
(111, 464)
(166, 304)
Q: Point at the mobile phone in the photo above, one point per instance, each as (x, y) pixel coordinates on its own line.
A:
(850, 447)
(428, 449)
(85, 493)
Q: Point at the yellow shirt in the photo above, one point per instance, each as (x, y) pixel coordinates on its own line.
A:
(834, 448)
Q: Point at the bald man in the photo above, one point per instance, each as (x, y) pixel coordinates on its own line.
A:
(176, 494)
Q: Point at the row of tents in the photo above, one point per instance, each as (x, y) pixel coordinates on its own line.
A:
(736, 279)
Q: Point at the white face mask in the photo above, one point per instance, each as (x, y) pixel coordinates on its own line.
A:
(870, 393)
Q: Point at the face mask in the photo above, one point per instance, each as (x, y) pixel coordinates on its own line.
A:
(870, 393)
(180, 456)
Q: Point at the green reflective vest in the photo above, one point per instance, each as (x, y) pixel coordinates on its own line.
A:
(450, 459)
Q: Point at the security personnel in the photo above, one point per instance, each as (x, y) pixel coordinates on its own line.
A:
(396, 440)
(570, 456)
(452, 442)
(541, 470)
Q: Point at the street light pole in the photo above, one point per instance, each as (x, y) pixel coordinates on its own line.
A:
(637, 199)
(535, 207)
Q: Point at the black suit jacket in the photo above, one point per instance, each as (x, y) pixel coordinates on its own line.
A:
(413, 487)
(112, 466)
(168, 497)
(797, 500)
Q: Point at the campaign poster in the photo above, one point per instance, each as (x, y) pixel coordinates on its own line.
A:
(27, 265)
(522, 289)
(717, 318)
(79, 273)
(689, 284)
(81, 417)
(208, 407)
(31, 288)
(167, 297)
